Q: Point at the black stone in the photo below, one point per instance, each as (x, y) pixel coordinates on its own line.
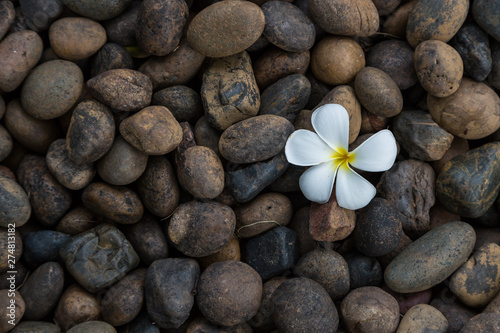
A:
(184, 102)
(111, 56)
(468, 184)
(364, 271)
(248, 181)
(42, 246)
(141, 324)
(289, 180)
(273, 252)
(121, 29)
(378, 228)
(421, 136)
(39, 14)
(472, 43)
(99, 257)
(19, 276)
(486, 14)
(286, 97)
(169, 289)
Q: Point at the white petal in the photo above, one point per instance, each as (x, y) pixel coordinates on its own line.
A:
(317, 182)
(353, 191)
(377, 153)
(331, 122)
(306, 148)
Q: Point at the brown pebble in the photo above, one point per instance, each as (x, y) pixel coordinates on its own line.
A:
(75, 306)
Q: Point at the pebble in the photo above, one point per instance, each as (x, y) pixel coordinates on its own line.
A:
(67, 172)
(7, 13)
(76, 306)
(422, 317)
(41, 290)
(42, 246)
(287, 26)
(363, 270)
(471, 42)
(38, 15)
(370, 309)
(477, 173)
(117, 203)
(455, 313)
(274, 64)
(92, 326)
(264, 212)
(273, 252)
(169, 289)
(226, 28)
(301, 304)
(229, 91)
(99, 11)
(477, 281)
(242, 294)
(48, 198)
(263, 320)
(148, 239)
(286, 97)
(328, 268)
(152, 130)
(183, 101)
(483, 322)
(77, 220)
(14, 206)
(436, 21)
(409, 185)
(378, 228)
(484, 12)
(12, 309)
(33, 326)
(421, 136)
(229, 252)
(256, 139)
(121, 28)
(394, 57)
(15, 66)
(430, 259)
(201, 228)
(247, 182)
(329, 222)
(110, 56)
(76, 38)
(99, 257)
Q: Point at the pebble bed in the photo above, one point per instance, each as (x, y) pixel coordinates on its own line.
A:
(144, 186)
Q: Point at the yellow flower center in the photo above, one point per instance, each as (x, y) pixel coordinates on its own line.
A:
(342, 156)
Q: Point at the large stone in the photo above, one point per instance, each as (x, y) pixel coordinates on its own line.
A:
(469, 183)
(431, 259)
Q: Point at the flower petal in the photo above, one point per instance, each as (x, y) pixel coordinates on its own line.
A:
(353, 191)
(306, 148)
(377, 153)
(317, 182)
(331, 122)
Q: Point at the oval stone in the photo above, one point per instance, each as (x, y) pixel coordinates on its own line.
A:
(431, 258)
(469, 183)
(288, 27)
(255, 139)
(160, 24)
(14, 203)
(98, 10)
(486, 13)
(76, 38)
(226, 28)
(438, 20)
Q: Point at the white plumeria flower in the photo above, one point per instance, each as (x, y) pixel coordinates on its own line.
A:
(327, 151)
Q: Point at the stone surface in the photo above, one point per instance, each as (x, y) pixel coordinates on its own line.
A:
(431, 258)
(409, 185)
(329, 222)
(247, 181)
(98, 10)
(301, 304)
(486, 13)
(363, 270)
(229, 91)
(273, 252)
(42, 246)
(378, 228)
(226, 28)
(422, 317)
(286, 97)
(469, 183)
(477, 281)
(421, 136)
(99, 257)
